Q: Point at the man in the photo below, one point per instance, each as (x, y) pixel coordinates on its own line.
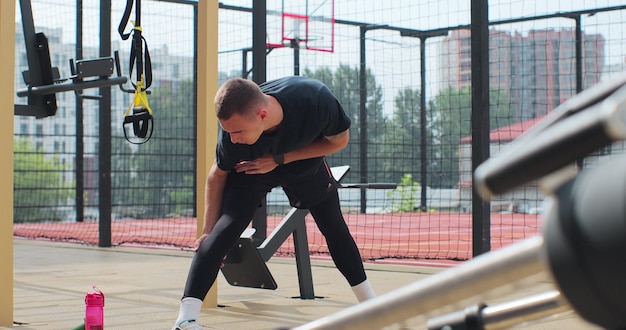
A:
(276, 134)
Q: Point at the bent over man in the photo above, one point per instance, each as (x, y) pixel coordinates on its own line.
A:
(275, 134)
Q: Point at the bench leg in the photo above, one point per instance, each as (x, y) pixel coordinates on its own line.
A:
(303, 261)
(293, 224)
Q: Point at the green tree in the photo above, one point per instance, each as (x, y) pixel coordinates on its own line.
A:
(38, 188)
(402, 138)
(404, 197)
(452, 122)
(162, 164)
(182, 197)
(344, 84)
(122, 171)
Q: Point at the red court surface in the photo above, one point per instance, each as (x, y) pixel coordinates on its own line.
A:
(403, 237)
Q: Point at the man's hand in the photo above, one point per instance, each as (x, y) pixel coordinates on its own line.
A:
(260, 165)
(199, 240)
(196, 244)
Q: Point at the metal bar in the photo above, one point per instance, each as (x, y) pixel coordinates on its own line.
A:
(71, 86)
(281, 232)
(259, 41)
(104, 152)
(569, 14)
(503, 315)
(438, 31)
(303, 261)
(381, 185)
(244, 63)
(579, 55)
(38, 111)
(363, 119)
(295, 44)
(484, 273)
(423, 145)
(259, 76)
(80, 132)
(481, 236)
(294, 223)
(508, 314)
(259, 222)
(196, 35)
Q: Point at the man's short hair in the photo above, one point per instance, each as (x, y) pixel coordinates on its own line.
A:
(237, 96)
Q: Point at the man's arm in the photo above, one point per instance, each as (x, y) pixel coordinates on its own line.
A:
(214, 193)
(323, 146)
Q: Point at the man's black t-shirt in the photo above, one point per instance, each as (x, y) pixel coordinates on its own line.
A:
(310, 111)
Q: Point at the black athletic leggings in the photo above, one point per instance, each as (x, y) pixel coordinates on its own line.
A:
(327, 214)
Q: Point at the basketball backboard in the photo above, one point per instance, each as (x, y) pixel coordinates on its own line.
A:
(309, 24)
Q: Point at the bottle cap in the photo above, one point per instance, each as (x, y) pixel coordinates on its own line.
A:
(94, 298)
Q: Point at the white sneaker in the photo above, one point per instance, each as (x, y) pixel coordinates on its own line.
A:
(188, 325)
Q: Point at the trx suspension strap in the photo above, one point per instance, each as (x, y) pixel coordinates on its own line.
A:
(139, 113)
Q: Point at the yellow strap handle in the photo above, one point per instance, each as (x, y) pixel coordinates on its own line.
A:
(141, 99)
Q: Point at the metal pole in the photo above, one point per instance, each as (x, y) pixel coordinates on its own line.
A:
(80, 154)
(481, 238)
(579, 55)
(259, 44)
(423, 172)
(259, 75)
(104, 154)
(363, 120)
(295, 44)
(579, 67)
(506, 315)
(244, 63)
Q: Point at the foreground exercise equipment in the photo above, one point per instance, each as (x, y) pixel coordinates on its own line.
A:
(504, 315)
(583, 252)
(585, 123)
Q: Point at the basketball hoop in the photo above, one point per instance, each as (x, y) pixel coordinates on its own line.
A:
(311, 26)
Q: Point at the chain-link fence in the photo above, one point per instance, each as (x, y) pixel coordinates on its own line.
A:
(402, 71)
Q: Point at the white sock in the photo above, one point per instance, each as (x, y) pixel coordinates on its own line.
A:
(363, 291)
(189, 309)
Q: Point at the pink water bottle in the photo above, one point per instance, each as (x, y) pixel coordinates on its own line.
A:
(94, 310)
